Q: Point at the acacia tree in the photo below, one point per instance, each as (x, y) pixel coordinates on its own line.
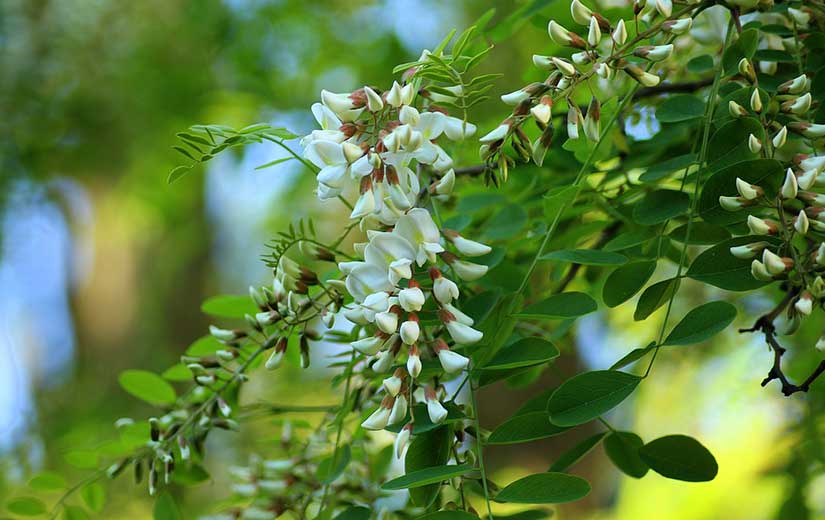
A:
(723, 195)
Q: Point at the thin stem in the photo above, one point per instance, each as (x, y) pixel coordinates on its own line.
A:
(480, 451)
(343, 411)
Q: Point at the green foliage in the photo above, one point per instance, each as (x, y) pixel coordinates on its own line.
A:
(544, 488)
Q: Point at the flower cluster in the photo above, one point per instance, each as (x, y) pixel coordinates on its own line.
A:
(385, 145)
(602, 53)
(794, 209)
(371, 141)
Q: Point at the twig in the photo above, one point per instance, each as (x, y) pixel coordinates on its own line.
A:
(670, 88)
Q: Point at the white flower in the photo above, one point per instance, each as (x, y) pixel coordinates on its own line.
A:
(799, 105)
(342, 105)
(760, 226)
(399, 95)
(374, 101)
(680, 26)
(369, 345)
(754, 144)
(805, 304)
(542, 112)
(444, 289)
(384, 361)
(665, 7)
(801, 224)
(748, 251)
(457, 129)
(378, 420)
(747, 190)
(759, 272)
(465, 246)
(392, 253)
(463, 334)
(594, 33)
(275, 360)
(418, 228)
(409, 331)
(460, 316)
(337, 163)
(402, 440)
(411, 299)
(414, 362)
(774, 263)
(756, 101)
(497, 134)
(445, 185)
(468, 271)
(790, 188)
(581, 14)
(450, 361)
(780, 137)
(392, 384)
(435, 409)
(399, 410)
(514, 98)
(620, 33)
(564, 66)
(387, 321)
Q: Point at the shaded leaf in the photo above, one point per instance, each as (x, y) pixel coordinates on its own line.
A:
(576, 453)
(702, 323)
(622, 449)
(626, 281)
(559, 306)
(681, 458)
(147, 386)
(523, 353)
(586, 396)
(431, 475)
(545, 488)
(586, 257)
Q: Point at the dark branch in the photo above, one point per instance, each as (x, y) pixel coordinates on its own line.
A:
(670, 88)
(765, 325)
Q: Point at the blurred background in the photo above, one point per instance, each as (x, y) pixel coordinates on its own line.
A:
(103, 266)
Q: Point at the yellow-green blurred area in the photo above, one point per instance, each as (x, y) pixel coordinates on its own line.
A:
(103, 266)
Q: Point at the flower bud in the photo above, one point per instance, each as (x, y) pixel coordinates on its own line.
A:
(756, 101)
(374, 101)
(402, 440)
(414, 362)
(677, 27)
(543, 110)
(746, 70)
(733, 203)
(748, 251)
(410, 330)
(620, 33)
(387, 321)
(581, 14)
(393, 383)
(759, 272)
(799, 16)
(460, 332)
(562, 36)
(754, 144)
(797, 106)
(736, 110)
(450, 361)
(780, 137)
(796, 85)
(564, 66)
(445, 185)
(789, 188)
(774, 263)
(594, 33)
(665, 7)
(801, 223)
(592, 126)
(645, 78)
(369, 345)
(399, 410)
(747, 190)
(412, 298)
(379, 419)
(574, 117)
(805, 304)
(435, 409)
(760, 226)
(813, 198)
(497, 134)
(467, 271)
(654, 52)
(444, 289)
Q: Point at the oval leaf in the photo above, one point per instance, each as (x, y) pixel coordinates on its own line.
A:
(26, 506)
(524, 427)
(626, 281)
(94, 496)
(523, 353)
(586, 257)
(681, 458)
(681, 107)
(575, 454)
(622, 449)
(660, 206)
(427, 450)
(229, 306)
(654, 297)
(166, 508)
(717, 267)
(147, 386)
(589, 395)
(47, 481)
(701, 323)
(431, 475)
(560, 306)
(545, 488)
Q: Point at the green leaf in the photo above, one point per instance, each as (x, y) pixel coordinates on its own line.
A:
(147, 386)
(26, 506)
(422, 422)
(204, 346)
(545, 488)
(718, 267)
(83, 459)
(680, 107)
(663, 169)
(190, 475)
(523, 353)
(560, 306)
(506, 223)
(448, 515)
(177, 373)
(524, 427)
(626, 281)
(178, 172)
(228, 306)
(47, 481)
(586, 396)
(586, 257)
(75, 513)
(701, 233)
(354, 513)
(628, 240)
(729, 144)
(575, 454)
(766, 173)
(701, 323)
(166, 508)
(634, 355)
(622, 449)
(429, 449)
(681, 458)
(660, 206)
(333, 466)
(431, 475)
(275, 162)
(700, 64)
(94, 496)
(743, 47)
(654, 297)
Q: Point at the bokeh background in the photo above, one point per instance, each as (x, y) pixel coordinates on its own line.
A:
(103, 266)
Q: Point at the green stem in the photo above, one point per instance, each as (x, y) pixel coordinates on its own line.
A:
(480, 451)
